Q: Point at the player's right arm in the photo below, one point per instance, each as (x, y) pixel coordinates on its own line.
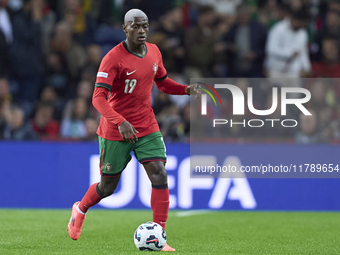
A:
(99, 101)
(105, 77)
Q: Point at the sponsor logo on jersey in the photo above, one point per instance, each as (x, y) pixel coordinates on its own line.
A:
(102, 74)
(128, 73)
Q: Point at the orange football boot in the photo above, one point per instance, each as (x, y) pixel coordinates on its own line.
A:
(76, 222)
(168, 248)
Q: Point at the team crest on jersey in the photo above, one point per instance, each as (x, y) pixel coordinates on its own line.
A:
(108, 167)
(154, 68)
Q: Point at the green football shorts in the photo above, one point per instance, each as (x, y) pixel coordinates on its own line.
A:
(115, 155)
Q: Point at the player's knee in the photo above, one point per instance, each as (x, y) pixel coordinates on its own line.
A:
(156, 172)
(106, 190)
(159, 177)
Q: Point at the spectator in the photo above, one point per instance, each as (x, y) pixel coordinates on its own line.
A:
(336, 122)
(227, 8)
(105, 12)
(26, 52)
(172, 126)
(94, 56)
(154, 9)
(331, 29)
(5, 95)
(325, 117)
(74, 126)
(161, 103)
(5, 22)
(309, 129)
(3, 54)
(49, 96)
(170, 39)
(297, 5)
(330, 65)
(6, 37)
(321, 94)
(269, 12)
(82, 24)
(47, 24)
(199, 44)
(245, 43)
(91, 130)
(89, 74)
(57, 74)
(15, 5)
(5, 101)
(16, 128)
(334, 5)
(71, 53)
(84, 91)
(185, 114)
(44, 124)
(287, 49)
(168, 118)
(195, 125)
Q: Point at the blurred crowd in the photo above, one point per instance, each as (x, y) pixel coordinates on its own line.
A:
(50, 51)
(287, 122)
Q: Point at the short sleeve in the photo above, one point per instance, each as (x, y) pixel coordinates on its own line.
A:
(161, 71)
(107, 72)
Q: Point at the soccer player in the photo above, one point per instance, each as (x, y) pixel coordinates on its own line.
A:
(122, 97)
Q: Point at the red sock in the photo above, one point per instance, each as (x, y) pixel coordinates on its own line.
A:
(90, 199)
(160, 205)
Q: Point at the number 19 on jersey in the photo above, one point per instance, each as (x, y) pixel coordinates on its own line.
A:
(130, 85)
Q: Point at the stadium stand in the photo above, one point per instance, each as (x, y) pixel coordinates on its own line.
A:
(50, 52)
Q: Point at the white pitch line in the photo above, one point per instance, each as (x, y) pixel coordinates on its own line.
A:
(192, 212)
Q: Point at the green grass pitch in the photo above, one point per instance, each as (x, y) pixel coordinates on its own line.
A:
(202, 232)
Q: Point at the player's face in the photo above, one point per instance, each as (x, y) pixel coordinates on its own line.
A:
(137, 31)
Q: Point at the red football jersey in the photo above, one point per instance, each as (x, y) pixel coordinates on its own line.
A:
(130, 78)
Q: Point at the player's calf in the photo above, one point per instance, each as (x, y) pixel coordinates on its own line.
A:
(107, 185)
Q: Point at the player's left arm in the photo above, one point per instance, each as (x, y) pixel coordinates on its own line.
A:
(171, 87)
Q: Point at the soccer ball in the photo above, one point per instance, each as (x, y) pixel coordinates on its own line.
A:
(150, 236)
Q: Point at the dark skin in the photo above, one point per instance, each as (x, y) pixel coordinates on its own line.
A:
(154, 169)
(136, 29)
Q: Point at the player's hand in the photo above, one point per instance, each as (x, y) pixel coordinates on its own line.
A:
(193, 89)
(128, 132)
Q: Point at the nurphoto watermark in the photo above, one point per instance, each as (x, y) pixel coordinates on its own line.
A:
(261, 122)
